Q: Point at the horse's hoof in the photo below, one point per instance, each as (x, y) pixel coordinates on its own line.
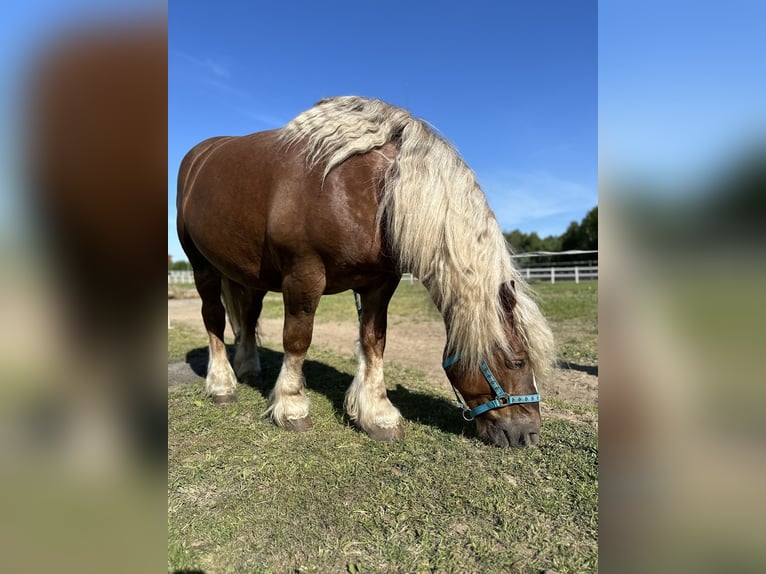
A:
(298, 425)
(224, 399)
(386, 434)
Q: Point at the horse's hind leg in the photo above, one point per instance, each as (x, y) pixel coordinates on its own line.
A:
(248, 303)
(220, 382)
(288, 402)
(367, 403)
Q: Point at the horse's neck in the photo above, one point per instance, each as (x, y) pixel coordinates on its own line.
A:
(439, 304)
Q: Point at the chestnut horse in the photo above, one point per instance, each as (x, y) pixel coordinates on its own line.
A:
(347, 196)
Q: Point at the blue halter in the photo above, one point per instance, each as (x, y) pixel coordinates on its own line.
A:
(502, 399)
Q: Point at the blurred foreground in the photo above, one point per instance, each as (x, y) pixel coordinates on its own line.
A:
(683, 280)
(682, 427)
(82, 401)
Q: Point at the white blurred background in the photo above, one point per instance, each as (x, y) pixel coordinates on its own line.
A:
(682, 160)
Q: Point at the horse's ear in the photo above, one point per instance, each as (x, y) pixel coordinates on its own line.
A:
(508, 296)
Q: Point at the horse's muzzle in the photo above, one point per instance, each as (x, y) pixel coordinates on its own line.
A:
(507, 432)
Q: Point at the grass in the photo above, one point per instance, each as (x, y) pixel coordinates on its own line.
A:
(411, 302)
(572, 310)
(181, 339)
(246, 496)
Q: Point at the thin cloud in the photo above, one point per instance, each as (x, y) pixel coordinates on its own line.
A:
(520, 197)
(207, 64)
(217, 76)
(225, 87)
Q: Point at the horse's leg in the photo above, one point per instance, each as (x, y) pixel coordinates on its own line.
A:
(367, 403)
(220, 383)
(247, 364)
(288, 402)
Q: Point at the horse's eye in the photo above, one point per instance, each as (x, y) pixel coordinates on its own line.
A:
(514, 364)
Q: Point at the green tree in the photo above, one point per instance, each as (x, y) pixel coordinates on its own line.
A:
(552, 243)
(572, 237)
(179, 266)
(589, 230)
(534, 243)
(516, 239)
(583, 235)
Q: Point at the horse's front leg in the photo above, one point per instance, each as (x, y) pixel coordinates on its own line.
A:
(367, 403)
(288, 402)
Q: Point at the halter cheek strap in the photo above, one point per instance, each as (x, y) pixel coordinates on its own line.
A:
(502, 399)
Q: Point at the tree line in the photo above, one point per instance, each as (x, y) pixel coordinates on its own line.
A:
(179, 265)
(579, 235)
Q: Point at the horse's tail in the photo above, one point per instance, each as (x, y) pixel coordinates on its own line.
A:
(437, 221)
(233, 305)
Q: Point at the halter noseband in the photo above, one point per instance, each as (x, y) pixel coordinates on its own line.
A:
(502, 399)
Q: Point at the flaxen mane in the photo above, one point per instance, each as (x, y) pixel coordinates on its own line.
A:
(438, 221)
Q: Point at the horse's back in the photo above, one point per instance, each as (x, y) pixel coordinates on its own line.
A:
(223, 193)
(255, 211)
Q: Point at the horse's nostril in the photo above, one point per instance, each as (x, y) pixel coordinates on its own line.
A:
(507, 434)
(527, 438)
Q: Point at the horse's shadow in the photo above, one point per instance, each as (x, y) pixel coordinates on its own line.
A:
(332, 383)
(588, 369)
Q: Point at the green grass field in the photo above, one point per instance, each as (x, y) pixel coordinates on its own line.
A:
(244, 496)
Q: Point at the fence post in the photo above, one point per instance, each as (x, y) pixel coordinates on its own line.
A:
(553, 274)
(577, 274)
(527, 273)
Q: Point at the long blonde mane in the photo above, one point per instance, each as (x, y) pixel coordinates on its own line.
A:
(438, 223)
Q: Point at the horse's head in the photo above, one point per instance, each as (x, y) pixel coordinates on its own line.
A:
(501, 394)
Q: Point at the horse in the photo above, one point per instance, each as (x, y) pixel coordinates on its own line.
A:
(347, 196)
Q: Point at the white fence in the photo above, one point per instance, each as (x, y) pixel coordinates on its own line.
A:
(180, 277)
(175, 277)
(553, 274)
(549, 274)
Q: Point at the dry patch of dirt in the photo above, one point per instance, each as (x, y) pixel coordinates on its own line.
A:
(178, 293)
(417, 345)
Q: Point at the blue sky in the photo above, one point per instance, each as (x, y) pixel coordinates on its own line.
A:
(512, 84)
(682, 87)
